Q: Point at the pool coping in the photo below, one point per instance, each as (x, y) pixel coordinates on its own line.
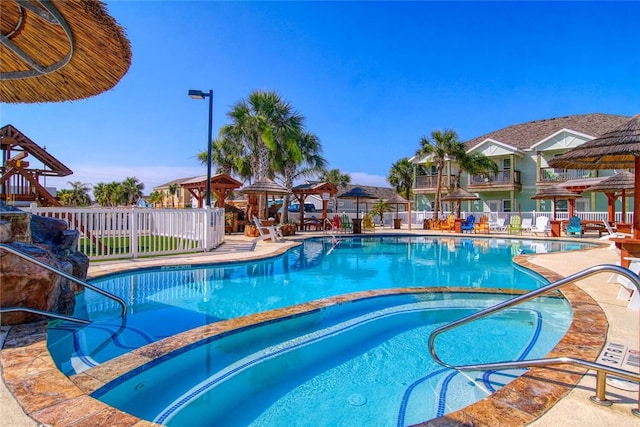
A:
(50, 397)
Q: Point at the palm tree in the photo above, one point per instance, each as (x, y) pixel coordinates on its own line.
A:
(438, 148)
(101, 194)
(173, 189)
(113, 193)
(132, 190)
(79, 194)
(379, 208)
(401, 177)
(299, 155)
(155, 197)
(226, 153)
(337, 179)
(474, 163)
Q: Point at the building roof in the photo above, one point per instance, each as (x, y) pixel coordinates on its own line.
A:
(525, 135)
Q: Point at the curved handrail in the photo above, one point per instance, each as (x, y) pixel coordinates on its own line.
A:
(632, 376)
(62, 274)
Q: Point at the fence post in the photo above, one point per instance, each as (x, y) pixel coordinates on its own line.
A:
(133, 238)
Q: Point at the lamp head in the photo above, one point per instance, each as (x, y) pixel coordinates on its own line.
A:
(197, 94)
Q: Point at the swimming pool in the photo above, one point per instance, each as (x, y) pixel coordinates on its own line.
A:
(191, 297)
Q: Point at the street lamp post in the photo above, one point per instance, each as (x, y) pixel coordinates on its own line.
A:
(198, 94)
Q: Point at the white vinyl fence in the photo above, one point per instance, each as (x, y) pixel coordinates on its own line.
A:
(111, 233)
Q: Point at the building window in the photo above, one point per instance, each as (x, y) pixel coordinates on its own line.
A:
(506, 206)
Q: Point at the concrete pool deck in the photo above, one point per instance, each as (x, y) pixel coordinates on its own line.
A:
(53, 399)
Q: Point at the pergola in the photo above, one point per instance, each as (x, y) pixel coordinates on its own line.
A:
(323, 189)
(222, 185)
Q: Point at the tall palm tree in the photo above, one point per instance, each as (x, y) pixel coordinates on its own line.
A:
(473, 163)
(437, 149)
(337, 179)
(101, 194)
(155, 197)
(113, 192)
(132, 189)
(173, 189)
(227, 154)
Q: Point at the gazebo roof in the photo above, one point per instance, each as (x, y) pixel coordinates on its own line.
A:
(59, 51)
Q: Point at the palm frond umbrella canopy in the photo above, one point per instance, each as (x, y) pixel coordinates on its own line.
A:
(264, 186)
(555, 193)
(618, 183)
(460, 195)
(357, 193)
(59, 51)
(397, 200)
(618, 148)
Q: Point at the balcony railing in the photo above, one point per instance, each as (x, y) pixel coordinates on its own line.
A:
(500, 177)
(561, 175)
(431, 181)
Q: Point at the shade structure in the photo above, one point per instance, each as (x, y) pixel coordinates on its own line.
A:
(618, 148)
(263, 186)
(357, 193)
(555, 193)
(59, 51)
(460, 195)
(619, 183)
(397, 200)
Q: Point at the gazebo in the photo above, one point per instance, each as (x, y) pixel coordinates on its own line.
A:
(614, 187)
(323, 189)
(555, 193)
(222, 185)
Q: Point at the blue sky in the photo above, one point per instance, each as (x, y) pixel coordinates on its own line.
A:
(371, 78)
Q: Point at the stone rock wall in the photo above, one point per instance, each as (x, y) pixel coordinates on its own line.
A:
(24, 284)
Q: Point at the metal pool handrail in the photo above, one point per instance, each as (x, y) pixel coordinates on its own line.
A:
(602, 370)
(62, 274)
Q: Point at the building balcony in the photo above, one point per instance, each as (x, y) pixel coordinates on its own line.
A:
(554, 176)
(500, 181)
(426, 184)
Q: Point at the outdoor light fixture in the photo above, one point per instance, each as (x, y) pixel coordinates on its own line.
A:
(198, 94)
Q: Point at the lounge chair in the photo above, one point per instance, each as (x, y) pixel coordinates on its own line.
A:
(482, 226)
(345, 223)
(467, 227)
(541, 226)
(271, 232)
(367, 223)
(450, 224)
(613, 233)
(574, 226)
(526, 224)
(515, 225)
(498, 225)
(628, 291)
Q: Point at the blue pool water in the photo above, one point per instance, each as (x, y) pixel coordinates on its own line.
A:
(166, 301)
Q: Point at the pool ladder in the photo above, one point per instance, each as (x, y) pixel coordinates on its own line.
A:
(66, 276)
(601, 370)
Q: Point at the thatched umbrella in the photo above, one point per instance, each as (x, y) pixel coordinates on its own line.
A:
(397, 200)
(459, 196)
(620, 182)
(357, 193)
(618, 148)
(555, 193)
(264, 186)
(59, 51)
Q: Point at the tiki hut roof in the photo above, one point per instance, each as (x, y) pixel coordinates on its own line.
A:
(525, 135)
(264, 185)
(621, 181)
(384, 193)
(59, 51)
(459, 195)
(357, 193)
(614, 149)
(555, 192)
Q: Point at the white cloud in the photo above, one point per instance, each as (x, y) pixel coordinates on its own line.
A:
(363, 178)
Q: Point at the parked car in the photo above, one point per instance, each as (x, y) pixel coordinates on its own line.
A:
(308, 207)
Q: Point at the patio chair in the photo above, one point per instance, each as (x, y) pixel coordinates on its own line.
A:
(450, 224)
(482, 226)
(613, 233)
(628, 291)
(498, 225)
(367, 223)
(467, 227)
(335, 224)
(574, 226)
(541, 226)
(515, 225)
(271, 232)
(526, 225)
(345, 223)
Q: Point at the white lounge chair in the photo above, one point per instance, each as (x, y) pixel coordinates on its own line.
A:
(498, 225)
(541, 226)
(628, 291)
(613, 233)
(266, 232)
(526, 225)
